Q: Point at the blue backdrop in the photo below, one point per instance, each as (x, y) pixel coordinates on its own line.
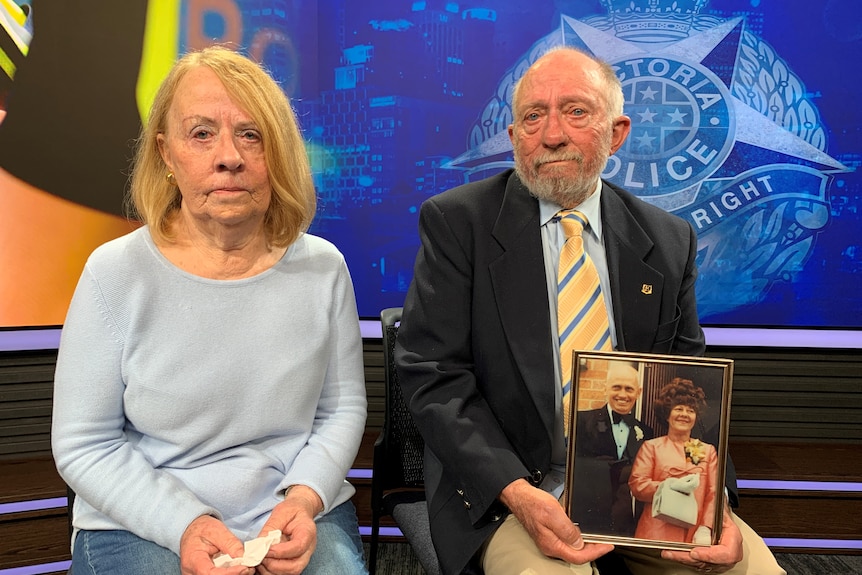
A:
(746, 122)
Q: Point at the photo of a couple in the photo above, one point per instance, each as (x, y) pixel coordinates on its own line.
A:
(647, 452)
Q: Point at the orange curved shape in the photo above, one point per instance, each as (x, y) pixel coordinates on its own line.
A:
(44, 244)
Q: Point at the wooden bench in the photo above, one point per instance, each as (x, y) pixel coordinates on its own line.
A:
(806, 511)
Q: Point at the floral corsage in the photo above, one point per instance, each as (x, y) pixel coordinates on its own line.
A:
(695, 450)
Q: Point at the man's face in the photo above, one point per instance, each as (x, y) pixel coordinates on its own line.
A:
(562, 133)
(623, 388)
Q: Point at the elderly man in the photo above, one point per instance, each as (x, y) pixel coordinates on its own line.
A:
(492, 305)
(608, 438)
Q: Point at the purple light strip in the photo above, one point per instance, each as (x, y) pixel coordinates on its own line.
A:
(38, 569)
(814, 543)
(359, 474)
(768, 337)
(49, 338)
(384, 531)
(29, 339)
(32, 339)
(799, 485)
(370, 328)
(34, 505)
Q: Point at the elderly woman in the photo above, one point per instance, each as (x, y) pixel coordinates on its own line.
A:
(209, 387)
(685, 464)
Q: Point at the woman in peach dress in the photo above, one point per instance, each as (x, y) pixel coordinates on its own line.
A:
(688, 465)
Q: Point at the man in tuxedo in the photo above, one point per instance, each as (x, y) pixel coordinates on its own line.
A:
(478, 347)
(607, 441)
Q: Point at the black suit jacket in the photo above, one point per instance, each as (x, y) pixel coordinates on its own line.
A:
(603, 503)
(474, 347)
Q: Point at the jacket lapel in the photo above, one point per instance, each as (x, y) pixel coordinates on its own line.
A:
(520, 288)
(606, 432)
(636, 288)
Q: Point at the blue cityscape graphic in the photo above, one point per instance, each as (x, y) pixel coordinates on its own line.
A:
(745, 122)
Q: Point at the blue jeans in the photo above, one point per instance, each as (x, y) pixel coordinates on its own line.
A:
(338, 552)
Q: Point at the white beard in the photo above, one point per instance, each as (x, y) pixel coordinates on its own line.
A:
(564, 190)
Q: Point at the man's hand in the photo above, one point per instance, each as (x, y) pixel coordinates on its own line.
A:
(716, 558)
(204, 538)
(294, 517)
(546, 522)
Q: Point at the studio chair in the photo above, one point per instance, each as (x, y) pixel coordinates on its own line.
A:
(70, 503)
(398, 484)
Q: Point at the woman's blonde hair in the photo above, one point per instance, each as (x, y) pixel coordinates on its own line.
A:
(154, 200)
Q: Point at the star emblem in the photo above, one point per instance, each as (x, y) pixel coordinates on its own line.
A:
(752, 127)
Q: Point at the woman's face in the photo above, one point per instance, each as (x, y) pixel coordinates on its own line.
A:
(216, 153)
(681, 419)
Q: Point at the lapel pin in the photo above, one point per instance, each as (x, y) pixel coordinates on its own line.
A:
(646, 289)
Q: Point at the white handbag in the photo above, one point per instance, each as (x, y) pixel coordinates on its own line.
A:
(674, 507)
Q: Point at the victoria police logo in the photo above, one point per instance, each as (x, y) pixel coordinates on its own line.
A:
(681, 126)
(723, 135)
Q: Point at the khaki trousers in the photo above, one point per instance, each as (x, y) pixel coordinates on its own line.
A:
(511, 551)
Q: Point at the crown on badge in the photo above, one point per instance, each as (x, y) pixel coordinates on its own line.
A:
(653, 20)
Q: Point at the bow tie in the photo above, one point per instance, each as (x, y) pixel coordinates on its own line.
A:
(628, 418)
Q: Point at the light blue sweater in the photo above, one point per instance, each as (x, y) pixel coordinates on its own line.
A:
(177, 396)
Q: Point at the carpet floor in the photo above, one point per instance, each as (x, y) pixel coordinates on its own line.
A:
(396, 558)
(805, 564)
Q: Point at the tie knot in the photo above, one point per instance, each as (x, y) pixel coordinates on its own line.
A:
(573, 221)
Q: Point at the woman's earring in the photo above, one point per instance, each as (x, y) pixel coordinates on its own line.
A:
(171, 179)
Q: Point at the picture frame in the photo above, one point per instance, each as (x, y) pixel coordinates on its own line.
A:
(661, 483)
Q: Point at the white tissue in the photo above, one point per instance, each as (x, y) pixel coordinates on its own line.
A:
(253, 553)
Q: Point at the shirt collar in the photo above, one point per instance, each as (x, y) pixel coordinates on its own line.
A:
(591, 208)
(611, 414)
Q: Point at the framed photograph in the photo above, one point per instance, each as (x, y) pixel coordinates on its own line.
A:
(647, 448)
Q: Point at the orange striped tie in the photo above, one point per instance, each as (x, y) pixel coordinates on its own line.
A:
(581, 314)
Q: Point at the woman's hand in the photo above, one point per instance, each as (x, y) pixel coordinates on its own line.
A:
(686, 484)
(715, 558)
(294, 517)
(203, 539)
(702, 536)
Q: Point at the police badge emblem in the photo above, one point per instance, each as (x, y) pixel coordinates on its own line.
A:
(723, 135)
